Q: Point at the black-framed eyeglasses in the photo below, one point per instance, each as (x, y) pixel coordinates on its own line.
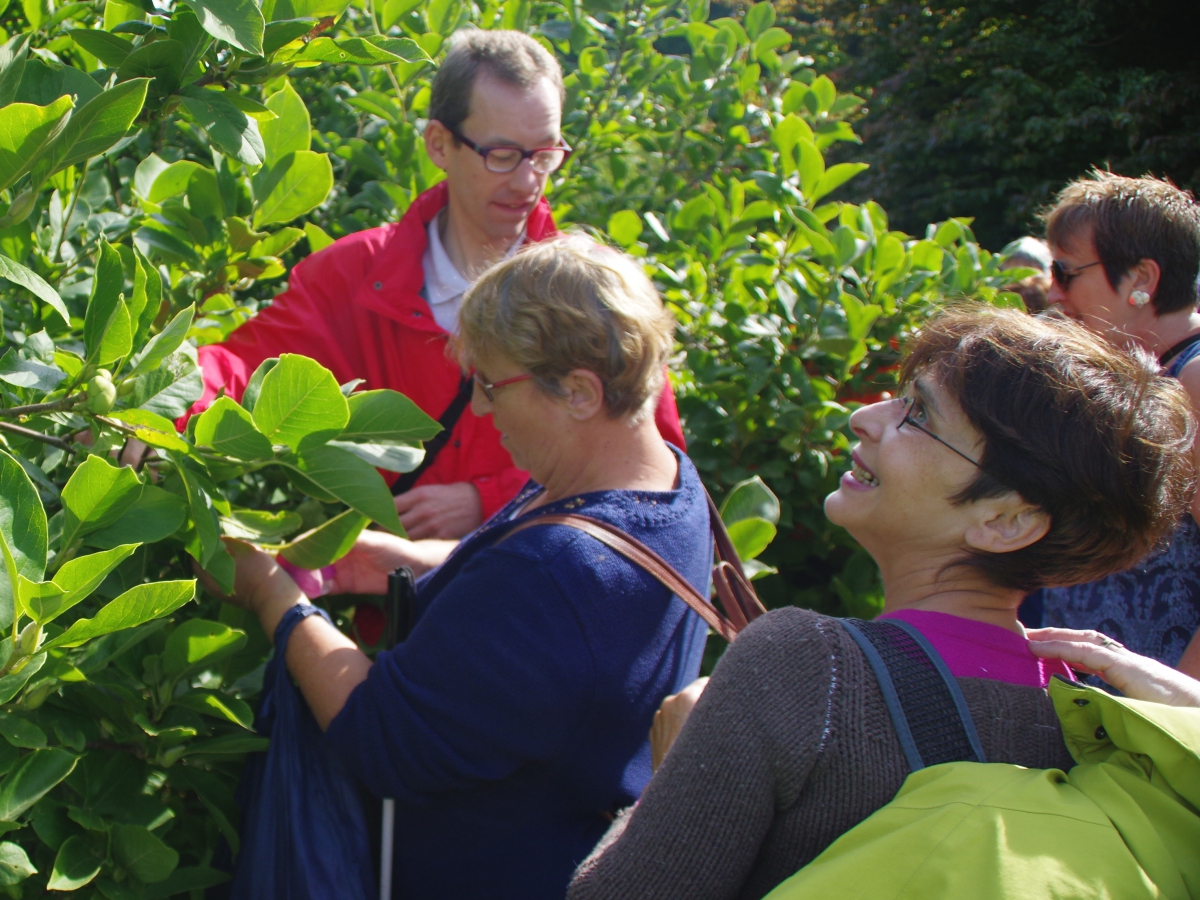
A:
(489, 386)
(1063, 277)
(502, 160)
(908, 403)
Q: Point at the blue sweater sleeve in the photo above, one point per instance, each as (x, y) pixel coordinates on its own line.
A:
(495, 674)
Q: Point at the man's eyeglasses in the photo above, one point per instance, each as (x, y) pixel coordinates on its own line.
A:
(1062, 277)
(503, 160)
(488, 386)
(909, 404)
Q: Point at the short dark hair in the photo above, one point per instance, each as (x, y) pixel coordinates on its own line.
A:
(1091, 434)
(1132, 219)
(511, 56)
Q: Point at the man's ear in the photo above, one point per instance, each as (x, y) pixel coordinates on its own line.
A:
(585, 394)
(437, 143)
(1006, 524)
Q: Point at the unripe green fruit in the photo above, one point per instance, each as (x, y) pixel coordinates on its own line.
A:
(125, 388)
(31, 636)
(101, 394)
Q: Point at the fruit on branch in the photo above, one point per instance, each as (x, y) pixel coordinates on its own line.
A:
(101, 393)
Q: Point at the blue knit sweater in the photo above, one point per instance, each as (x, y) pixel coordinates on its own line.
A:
(513, 722)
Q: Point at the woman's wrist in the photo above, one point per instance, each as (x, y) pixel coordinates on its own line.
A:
(272, 607)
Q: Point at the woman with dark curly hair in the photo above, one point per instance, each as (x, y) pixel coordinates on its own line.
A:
(1023, 453)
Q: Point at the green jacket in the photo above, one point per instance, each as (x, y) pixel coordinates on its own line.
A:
(1123, 823)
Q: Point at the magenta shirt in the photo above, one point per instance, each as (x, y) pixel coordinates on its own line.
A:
(978, 650)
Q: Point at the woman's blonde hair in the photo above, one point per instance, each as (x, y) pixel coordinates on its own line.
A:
(570, 303)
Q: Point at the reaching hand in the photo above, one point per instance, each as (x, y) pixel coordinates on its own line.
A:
(447, 511)
(376, 554)
(259, 584)
(1139, 677)
(670, 719)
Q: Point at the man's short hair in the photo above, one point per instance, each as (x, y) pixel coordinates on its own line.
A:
(511, 56)
(1132, 219)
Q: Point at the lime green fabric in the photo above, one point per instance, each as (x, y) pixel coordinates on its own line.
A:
(1123, 823)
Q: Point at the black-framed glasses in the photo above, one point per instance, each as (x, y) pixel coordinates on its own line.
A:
(488, 386)
(1063, 277)
(502, 160)
(908, 403)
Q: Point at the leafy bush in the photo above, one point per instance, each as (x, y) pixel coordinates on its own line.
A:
(161, 169)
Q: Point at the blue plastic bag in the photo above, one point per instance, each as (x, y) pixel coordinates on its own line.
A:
(304, 832)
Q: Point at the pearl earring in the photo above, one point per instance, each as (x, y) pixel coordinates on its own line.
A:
(1139, 299)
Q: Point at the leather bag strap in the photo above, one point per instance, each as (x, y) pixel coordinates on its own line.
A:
(466, 386)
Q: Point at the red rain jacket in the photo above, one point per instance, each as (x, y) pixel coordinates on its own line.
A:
(356, 308)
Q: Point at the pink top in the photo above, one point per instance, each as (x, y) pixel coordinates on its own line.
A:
(978, 650)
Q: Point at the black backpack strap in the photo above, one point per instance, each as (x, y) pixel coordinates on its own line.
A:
(927, 707)
(448, 420)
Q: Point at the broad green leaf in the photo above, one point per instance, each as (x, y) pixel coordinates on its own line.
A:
(295, 185)
(751, 536)
(198, 643)
(300, 403)
(825, 91)
(117, 12)
(45, 81)
(137, 605)
(280, 34)
(32, 282)
(234, 133)
(93, 128)
(219, 706)
(383, 417)
(184, 879)
(695, 212)
(110, 49)
(749, 499)
(290, 130)
(205, 539)
(169, 390)
(318, 240)
(260, 525)
(76, 580)
(161, 62)
(140, 852)
(859, 316)
(31, 779)
(75, 865)
(278, 243)
(172, 180)
(835, 177)
(351, 480)
(20, 732)
(237, 22)
(11, 684)
(759, 18)
(12, 66)
(157, 514)
(254, 385)
(356, 51)
(105, 307)
(164, 343)
(22, 533)
(327, 543)
(393, 10)
(152, 429)
(625, 227)
(812, 168)
(95, 496)
(228, 745)
(28, 373)
(229, 430)
(15, 866)
(928, 256)
(25, 133)
(390, 457)
(277, 10)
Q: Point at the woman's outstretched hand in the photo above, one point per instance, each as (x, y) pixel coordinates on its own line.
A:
(365, 569)
(1138, 677)
(259, 584)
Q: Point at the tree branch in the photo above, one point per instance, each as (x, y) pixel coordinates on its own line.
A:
(60, 405)
(36, 436)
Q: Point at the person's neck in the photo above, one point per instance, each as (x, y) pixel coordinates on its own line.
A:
(471, 251)
(926, 584)
(611, 456)
(1163, 332)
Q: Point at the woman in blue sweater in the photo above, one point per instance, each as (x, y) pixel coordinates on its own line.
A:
(513, 722)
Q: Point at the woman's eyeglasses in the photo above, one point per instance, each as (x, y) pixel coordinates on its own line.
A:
(909, 404)
(1063, 277)
(488, 386)
(502, 160)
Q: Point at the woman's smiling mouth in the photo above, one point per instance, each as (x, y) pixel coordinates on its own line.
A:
(861, 473)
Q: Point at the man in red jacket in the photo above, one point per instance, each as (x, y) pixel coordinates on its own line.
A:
(381, 304)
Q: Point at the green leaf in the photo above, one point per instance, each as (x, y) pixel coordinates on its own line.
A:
(197, 644)
(696, 211)
(300, 403)
(759, 18)
(186, 878)
(27, 373)
(278, 243)
(45, 81)
(76, 580)
(318, 240)
(169, 181)
(812, 168)
(391, 457)
(254, 385)
(393, 10)
(625, 227)
(295, 185)
(31, 779)
(351, 480)
(260, 525)
(95, 496)
(137, 605)
(205, 539)
(110, 49)
(106, 306)
(750, 499)
(835, 177)
(928, 256)
(92, 129)
(21, 733)
(157, 514)
(164, 343)
(25, 133)
(152, 429)
(237, 22)
(769, 40)
(11, 684)
(825, 91)
(279, 34)
(387, 417)
(228, 744)
(751, 536)
(169, 390)
(219, 706)
(12, 66)
(327, 543)
(234, 133)
(32, 282)
(15, 866)
(140, 852)
(22, 533)
(75, 865)
(229, 430)
(161, 62)
(859, 316)
(291, 129)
